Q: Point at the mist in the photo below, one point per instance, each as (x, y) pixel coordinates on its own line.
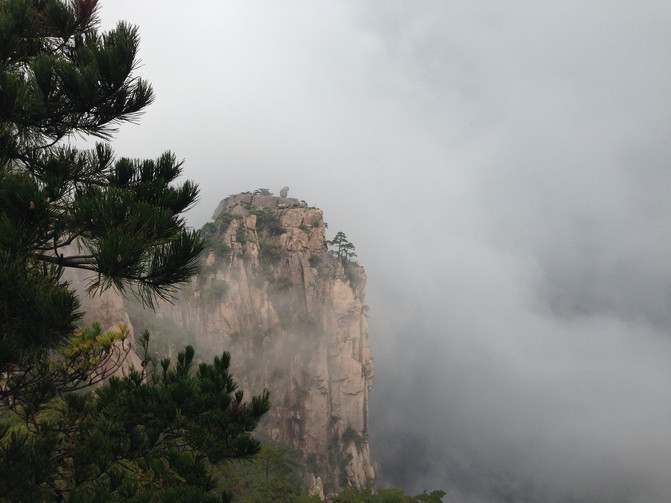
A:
(503, 170)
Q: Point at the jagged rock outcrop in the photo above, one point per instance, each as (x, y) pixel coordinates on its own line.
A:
(293, 318)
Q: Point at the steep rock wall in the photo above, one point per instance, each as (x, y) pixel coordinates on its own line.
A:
(293, 318)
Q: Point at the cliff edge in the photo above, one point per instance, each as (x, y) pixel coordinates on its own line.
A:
(293, 317)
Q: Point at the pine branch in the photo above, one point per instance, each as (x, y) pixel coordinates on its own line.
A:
(86, 262)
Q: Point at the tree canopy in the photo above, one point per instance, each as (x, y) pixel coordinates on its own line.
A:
(351, 495)
(342, 248)
(157, 433)
(66, 207)
(152, 436)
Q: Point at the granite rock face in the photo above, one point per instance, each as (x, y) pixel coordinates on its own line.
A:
(293, 318)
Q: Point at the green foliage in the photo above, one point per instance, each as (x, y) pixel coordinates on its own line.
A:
(352, 272)
(218, 288)
(123, 214)
(282, 284)
(351, 435)
(274, 476)
(208, 230)
(89, 357)
(211, 234)
(314, 260)
(224, 219)
(153, 434)
(343, 249)
(38, 310)
(266, 219)
(313, 463)
(241, 234)
(247, 336)
(65, 207)
(220, 249)
(270, 252)
(262, 192)
(352, 495)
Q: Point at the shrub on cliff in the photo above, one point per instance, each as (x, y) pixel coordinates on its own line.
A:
(352, 495)
(341, 247)
(267, 219)
(275, 476)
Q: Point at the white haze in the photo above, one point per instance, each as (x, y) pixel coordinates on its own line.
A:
(503, 170)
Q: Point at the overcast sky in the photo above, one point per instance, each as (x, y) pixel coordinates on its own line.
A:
(503, 170)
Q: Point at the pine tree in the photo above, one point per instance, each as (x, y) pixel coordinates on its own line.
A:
(61, 206)
(152, 436)
(343, 249)
(275, 476)
(155, 434)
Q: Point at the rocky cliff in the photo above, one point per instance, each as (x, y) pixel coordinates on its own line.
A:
(293, 317)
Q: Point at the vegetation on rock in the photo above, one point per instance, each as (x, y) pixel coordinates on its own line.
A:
(267, 219)
(351, 495)
(275, 476)
(342, 248)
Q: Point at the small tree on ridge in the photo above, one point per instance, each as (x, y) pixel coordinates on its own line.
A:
(343, 249)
